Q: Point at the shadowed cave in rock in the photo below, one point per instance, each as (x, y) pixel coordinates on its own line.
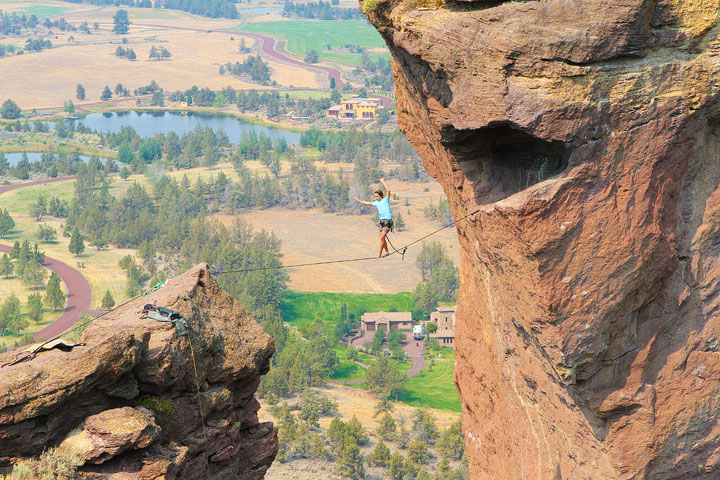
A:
(501, 160)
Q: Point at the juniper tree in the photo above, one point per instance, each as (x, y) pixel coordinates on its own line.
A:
(35, 307)
(121, 22)
(6, 266)
(54, 296)
(77, 244)
(107, 301)
(34, 274)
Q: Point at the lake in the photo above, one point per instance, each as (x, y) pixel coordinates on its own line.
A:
(147, 124)
(14, 158)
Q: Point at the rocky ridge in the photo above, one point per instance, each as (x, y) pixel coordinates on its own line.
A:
(587, 134)
(138, 400)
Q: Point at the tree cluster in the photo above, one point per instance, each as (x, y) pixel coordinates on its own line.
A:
(439, 213)
(153, 87)
(274, 104)
(320, 10)
(252, 68)
(300, 364)
(159, 53)
(128, 53)
(440, 278)
(9, 110)
(13, 23)
(173, 219)
(206, 8)
(60, 23)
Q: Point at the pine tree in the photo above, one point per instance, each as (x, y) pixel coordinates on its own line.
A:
(380, 456)
(396, 467)
(80, 92)
(108, 301)
(387, 427)
(106, 94)
(35, 307)
(121, 22)
(54, 296)
(350, 460)
(6, 223)
(34, 274)
(6, 266)
(77, 245)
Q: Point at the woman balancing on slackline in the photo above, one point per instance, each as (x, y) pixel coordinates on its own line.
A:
(386, 221)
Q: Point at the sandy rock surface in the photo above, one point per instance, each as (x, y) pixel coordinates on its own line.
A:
(584, 139)
(138, 397)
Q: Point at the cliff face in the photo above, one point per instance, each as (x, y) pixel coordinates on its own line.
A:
(128, 399)
(588, 133)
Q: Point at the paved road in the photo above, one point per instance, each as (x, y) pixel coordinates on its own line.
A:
(267, 46)
(14, 186)
(79, 293)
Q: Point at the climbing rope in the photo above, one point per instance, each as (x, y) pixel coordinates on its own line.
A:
(199, 402)
(401, 251)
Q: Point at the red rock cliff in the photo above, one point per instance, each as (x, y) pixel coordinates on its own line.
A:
(588, 135)
(128, 399)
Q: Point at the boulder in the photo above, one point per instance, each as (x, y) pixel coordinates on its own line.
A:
(112, 432)
(142, 398)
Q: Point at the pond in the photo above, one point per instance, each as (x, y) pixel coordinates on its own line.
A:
(14, 158)
(147, 124)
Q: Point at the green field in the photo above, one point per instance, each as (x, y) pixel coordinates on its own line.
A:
(41, 10)
(300, 308)
(305, 35)
(436, 388)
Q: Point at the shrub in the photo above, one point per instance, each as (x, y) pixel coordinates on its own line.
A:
(53, 464)
(372, 5)
(162, 406)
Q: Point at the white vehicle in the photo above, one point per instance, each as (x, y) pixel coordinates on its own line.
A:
(418, 332)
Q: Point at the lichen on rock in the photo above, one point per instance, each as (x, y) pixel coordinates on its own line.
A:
(588, 136)
(95, 398)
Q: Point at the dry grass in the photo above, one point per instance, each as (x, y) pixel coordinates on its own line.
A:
(312, 236)
(91, 60)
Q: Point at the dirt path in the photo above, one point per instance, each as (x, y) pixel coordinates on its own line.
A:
(79, 293)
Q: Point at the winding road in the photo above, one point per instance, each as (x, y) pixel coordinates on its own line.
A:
(79, 292)
(267, 46)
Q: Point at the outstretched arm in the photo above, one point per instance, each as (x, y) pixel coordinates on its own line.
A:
(387, 190)
(362, 201)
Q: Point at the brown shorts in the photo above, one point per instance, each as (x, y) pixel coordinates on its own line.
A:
(386, 225)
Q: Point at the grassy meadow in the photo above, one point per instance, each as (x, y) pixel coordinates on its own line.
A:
(434, 387)
(305, 35)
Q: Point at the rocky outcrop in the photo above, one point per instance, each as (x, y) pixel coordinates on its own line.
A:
(138, 400)
(587, 134)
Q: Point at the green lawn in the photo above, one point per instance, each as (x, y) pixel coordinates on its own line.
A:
(305, 35)
(435, 388)
(302, 308)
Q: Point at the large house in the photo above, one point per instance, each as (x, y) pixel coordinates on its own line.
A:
(356, 108)
(444, 318)
(371, 322)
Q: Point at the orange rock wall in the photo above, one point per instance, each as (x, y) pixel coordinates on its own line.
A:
(588, 135)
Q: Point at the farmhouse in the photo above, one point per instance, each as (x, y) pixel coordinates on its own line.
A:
(356, 108)
(370, 322)
(444, 318)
